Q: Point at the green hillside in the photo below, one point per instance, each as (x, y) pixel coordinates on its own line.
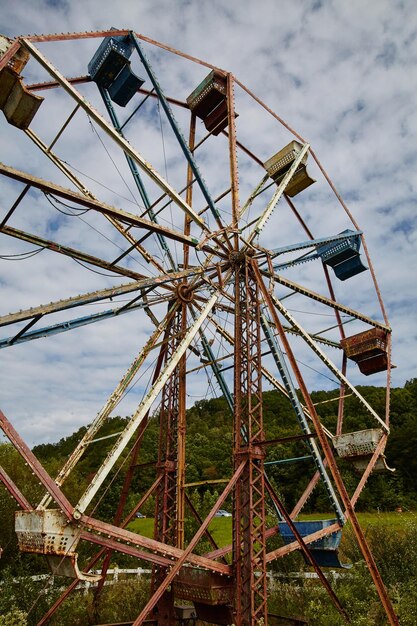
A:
(209, 435)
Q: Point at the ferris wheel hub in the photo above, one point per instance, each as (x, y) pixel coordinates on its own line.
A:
(184, 293)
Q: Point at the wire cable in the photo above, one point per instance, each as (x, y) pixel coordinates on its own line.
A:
(22, 256)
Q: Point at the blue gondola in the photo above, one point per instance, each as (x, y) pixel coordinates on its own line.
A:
(110, 69)
(324, 550)
(343, 256)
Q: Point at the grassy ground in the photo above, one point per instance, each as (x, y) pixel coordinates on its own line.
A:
(221, 527)
(392, 519)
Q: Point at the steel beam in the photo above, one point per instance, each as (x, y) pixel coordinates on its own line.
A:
(363, 545)
(154, 547)
(36, 467)
(146, 403)
(70, 252)
(277, 194)
(14, 490)
(249, 526)
(72, 324)
(332, 367)
(110, 405)
(96, 296)
(109, 130)
(100, 207)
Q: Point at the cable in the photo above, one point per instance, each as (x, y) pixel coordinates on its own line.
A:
(313, 313)
(69, 206)
(166, 175)
(112, 160)
(113, 191)
(121, 176)
(22, 256)
(142, 265)
(90, 269)
(333, 380)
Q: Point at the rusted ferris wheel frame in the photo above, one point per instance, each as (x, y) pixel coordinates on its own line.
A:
(236, 263)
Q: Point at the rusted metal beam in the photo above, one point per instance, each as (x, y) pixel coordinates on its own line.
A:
(179, 53)
(28, 456)
(77, 322)
(106, 209)
(234, 178)
(112, 132)
(52, 84)
(81, 35)
(79, 80)
(378, 451)
(188, 551)
(278, 278)
(167, 505)
(9, 54)
(154, 547)
(249, 523)
(96, 296)
(131, 550)
(245, 150)
(70, 252)
(146, 403)
(363, 545)
(14, 490)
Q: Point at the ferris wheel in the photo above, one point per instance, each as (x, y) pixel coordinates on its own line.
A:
(215, 226)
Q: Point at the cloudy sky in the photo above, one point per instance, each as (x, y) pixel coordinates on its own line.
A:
(342, 74)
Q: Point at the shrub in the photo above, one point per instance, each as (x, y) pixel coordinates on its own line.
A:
(15, 617)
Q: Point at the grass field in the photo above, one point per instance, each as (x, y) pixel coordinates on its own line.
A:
(221, 527)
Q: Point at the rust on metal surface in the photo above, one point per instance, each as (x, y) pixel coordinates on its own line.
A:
(280, 163)
(12, 54)
(14, 490)
(222, 593)
(101, 207)
(209, 102)
(368, 349)
(202, 586)
(49, 532)
(67, 251)
(17, 103)
(350, 512)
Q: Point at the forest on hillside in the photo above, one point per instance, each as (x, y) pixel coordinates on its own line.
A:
(209, 436)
